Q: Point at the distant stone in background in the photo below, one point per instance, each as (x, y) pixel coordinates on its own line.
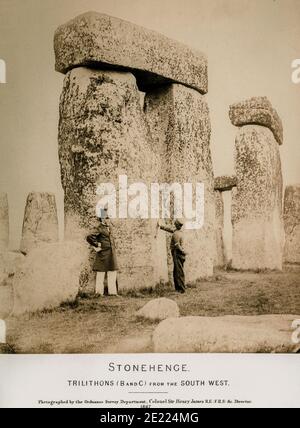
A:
(2, 331)
(40, 221)
(292, 224)
(257, 111)
(225, 183)
(179, 122)
(257, 217)
(234, 334)
(159, 309)
(219, 229)
(104, 42)
(49, 276)
(10, 262)
(4, 222)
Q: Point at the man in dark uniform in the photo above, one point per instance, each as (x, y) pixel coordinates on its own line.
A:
(178, 253)
(106, 259)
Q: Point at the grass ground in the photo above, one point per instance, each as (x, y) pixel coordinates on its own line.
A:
(108, 325)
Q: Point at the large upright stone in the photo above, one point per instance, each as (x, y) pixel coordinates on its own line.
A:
(180, 126)
(40, 221)
(104, 42)
(257, 201)
(257, 111)
(4, 222)
(219, 229)
(292, 224)
(102, 135)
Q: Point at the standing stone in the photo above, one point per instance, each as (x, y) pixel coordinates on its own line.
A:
(257, 201)
(40, 221)
(102, 135)
(219, 229)
(257, 111)
(179, 121)
(292, 224)
(4, 222)
(102, 41)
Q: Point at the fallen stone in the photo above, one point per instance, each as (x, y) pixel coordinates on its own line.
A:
(104, 42)
(49, 276)
(292, 224)
(178, 118)
(40, 221)
(225, 183)
(257, 111)
(219, 230)
(4, 222)
(228, 334)
(159, 309)
(257, 218)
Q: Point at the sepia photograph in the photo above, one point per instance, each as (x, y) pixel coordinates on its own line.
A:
(149, 177)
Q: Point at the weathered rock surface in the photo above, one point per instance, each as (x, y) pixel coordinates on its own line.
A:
(179, 121)
(228, 334)
(159, 310)
(219, 229)
(257, 111)
(292, 224)
(4, 222)
(49, 276)
(102, 135)
(225, 183)
(258, 234)
(40, 221)
(105, 42)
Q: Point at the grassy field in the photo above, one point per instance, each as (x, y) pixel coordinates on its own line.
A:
(109, 325)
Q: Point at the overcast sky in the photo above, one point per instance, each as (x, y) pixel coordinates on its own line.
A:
(250, 46)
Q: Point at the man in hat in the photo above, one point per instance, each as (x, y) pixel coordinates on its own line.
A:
(178, 253)
(106, 259)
